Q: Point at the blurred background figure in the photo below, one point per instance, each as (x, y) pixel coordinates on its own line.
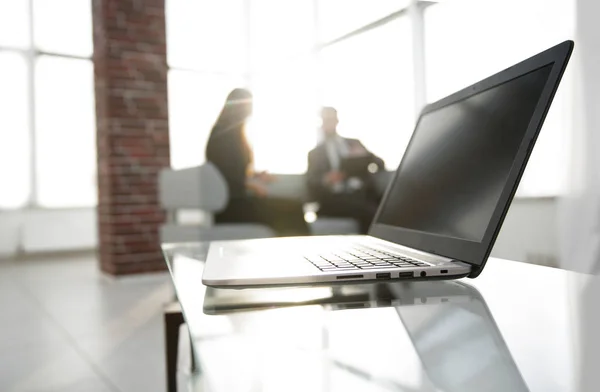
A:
(339, 192)
(229, 150)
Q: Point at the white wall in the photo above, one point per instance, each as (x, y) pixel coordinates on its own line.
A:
(584, 231)
(10, 232)
(40, 230)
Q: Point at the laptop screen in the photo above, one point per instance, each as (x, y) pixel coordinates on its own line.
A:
(459, 158)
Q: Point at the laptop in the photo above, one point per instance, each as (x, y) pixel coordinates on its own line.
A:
(442, 211)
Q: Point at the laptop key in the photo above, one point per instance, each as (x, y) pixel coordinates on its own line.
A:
(314, 259)
(333, 259)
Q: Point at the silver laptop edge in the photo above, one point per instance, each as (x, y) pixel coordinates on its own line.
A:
(220, 271)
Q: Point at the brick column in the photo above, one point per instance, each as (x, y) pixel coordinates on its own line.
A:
(132, 128)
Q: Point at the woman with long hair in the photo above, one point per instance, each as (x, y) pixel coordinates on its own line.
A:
(228, 149)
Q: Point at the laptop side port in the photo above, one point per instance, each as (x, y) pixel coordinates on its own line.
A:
(349, 277)
(405, 275)
(384, 275)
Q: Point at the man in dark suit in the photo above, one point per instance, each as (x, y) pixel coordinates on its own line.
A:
(338, 193)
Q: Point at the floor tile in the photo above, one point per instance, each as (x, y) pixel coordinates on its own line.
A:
(128, 364)
(67, 327)
(23, 321)
(47, 368)
(26, 333)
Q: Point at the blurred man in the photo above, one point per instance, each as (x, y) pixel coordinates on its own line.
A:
(338, 192)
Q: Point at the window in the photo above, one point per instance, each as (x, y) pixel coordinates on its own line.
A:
(358, 56)
(282, 79)
(14, 23)
(457, 58)
(290, 76)
(207, 56)
(368, 79)
(280, 32)
(64, 134)
(47, 82)
(283, 127)
(195, 100)
(339, 17)
(207, 35)
(15, 149)
(63, 26)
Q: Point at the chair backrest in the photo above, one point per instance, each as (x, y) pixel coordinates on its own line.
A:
(200, 187)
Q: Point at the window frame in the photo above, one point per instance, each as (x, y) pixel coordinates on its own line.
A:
(31, 53)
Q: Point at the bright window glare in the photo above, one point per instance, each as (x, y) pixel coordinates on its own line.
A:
(457, 58)
(368, 79)
(207, 35)
(280, 33)
(63, 26)
(283, 81)
(65, 132)
(283, 127)
(14, 22)
(195, 100)
(14, 132)
(339, 17)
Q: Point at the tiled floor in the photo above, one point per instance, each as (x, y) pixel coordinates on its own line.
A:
(66, 327)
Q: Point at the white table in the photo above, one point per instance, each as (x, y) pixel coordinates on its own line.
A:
(517, 327)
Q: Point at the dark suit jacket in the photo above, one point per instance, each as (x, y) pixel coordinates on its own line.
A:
(231, 156)
(319, 165)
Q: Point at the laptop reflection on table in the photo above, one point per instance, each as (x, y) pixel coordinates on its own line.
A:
(460, 345)
(449, 324)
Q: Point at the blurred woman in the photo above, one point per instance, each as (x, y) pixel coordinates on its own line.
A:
(228, 149)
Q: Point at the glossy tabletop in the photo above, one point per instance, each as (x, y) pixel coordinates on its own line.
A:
(517, 327)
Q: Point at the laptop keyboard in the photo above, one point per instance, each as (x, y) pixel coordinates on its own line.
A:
(361, 258)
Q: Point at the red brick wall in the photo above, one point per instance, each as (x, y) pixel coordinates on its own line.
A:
(132, 128)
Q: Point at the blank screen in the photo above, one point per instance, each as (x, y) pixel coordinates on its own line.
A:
(459, 158)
